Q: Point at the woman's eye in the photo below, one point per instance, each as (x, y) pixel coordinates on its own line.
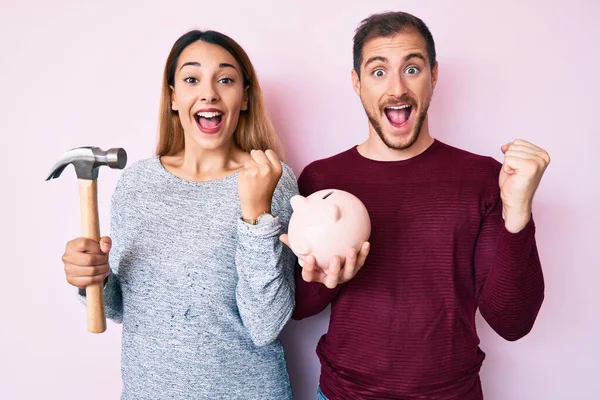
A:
(190, 79)
(226, 81)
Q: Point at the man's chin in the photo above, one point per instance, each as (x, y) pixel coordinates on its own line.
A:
(399, 140)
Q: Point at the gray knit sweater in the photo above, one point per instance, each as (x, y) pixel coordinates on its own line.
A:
(202, 296)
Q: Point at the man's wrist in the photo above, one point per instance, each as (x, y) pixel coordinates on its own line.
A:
(516, 220)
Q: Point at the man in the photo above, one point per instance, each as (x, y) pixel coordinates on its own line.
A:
(451, 232)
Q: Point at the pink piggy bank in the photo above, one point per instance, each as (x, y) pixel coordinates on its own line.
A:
(327, 223)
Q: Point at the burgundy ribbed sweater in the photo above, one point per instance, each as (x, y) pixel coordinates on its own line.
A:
(404, 327)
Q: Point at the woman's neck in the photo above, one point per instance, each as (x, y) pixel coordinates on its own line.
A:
(197, 164)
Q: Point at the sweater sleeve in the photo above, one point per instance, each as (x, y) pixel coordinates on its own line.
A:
(510, 282)
(265, 289)
(311, 297)
(113, 300)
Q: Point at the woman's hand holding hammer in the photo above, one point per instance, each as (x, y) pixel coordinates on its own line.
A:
(86, 261)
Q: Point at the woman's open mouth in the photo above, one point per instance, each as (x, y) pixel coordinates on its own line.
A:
(209, 121)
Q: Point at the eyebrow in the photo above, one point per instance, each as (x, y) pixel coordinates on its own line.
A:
(376, 58)
(415, 55)
(385, 60)
(197, 64)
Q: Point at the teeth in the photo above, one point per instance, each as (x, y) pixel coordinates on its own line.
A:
(399, 107)
(209, 114)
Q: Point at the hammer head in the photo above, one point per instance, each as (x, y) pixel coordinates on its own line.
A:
(87, 161)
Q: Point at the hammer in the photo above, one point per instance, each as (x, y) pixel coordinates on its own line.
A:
(87, 161)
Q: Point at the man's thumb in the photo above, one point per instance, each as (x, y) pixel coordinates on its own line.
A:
(105, 244)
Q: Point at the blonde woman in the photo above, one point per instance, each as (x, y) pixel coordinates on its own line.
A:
(195, 270)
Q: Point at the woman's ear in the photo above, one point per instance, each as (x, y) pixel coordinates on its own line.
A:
(174, 106)
(244, 106)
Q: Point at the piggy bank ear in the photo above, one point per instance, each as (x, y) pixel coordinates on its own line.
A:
(332, 212)
(297, 202)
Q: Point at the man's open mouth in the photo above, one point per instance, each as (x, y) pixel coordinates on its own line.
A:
(398, 115)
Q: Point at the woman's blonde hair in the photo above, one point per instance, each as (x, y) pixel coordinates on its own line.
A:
(254, 129)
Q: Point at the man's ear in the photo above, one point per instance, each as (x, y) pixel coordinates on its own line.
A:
(356, 82)
(434, 74)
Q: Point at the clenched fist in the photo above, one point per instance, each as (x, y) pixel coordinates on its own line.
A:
(257, 181)
(522, 170)
(86, 261)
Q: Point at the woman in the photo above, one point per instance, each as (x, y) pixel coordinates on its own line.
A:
(198, 276)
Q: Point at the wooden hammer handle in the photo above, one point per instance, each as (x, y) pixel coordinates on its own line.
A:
(90, 227)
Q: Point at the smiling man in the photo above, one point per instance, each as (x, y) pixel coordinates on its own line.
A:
(452, 232)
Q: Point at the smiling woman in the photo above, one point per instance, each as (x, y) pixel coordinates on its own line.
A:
(226, 73)
(195, 270)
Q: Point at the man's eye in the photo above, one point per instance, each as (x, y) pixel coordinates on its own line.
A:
(378, 73)
(412, 70)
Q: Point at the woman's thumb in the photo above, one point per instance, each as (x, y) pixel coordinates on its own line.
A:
(105, 244)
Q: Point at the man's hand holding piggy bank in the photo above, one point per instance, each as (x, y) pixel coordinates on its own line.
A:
(329, 232)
